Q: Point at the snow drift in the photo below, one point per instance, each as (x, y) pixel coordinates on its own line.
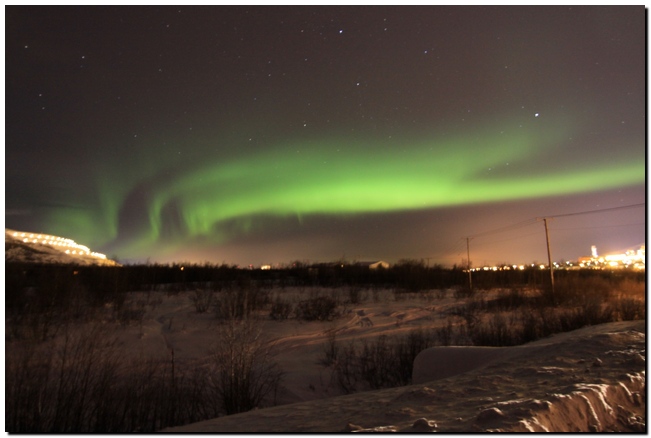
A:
(589, 380)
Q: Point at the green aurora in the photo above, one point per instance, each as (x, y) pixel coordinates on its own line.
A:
(213, 203)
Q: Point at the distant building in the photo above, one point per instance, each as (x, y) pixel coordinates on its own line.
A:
(373, 265)
(635, 259)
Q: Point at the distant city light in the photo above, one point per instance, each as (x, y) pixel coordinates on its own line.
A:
(54, 241)
(631, 259)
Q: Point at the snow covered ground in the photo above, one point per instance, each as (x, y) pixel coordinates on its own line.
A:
(589, 380)
(592, 379)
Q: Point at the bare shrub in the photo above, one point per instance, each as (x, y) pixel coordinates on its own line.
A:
(509, 300)
(631, 288)
(345, 369)
(406, 351)
(631, 309)
(240, 301)
(574, 290)
(244, 375)
(60, 390)
(376, 295)
(464, 292)
(319, 308)
(379, 363)
(445, 334)
(547, 321)
(280, 309)
(528, 324)
(81, 384)
(202, 299)
(154, 302)
(330, 349)
(375, 362)
(28, 388)
(356, 295)
(470, 311)
(144, 399)
(591, 313)
(196, 402)
(43, 324)
(131, 312)
(496, 332)
(531, 328)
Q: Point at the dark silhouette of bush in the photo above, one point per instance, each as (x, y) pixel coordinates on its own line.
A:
(280, 309)
(355, 294)
(464, 291)
(630, 309)
(382, 362)
(319, 308)
(240, 300)
(330, 349)
(202, 299)
(497, 331)
(83, 385)
(244, 375)
(509, 300)
(445, 334)
(345, 372)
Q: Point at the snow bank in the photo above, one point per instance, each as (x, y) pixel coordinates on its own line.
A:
(593, 408)
(589, 380)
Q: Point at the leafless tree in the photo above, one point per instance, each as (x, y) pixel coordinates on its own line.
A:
(245, 376)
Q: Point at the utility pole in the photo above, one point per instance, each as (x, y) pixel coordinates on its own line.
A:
(469, 273)
(549, 258)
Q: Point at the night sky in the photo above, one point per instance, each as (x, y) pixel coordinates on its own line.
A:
(251, 135)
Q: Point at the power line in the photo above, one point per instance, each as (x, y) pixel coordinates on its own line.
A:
(510, 238)
(600, 226)
(532, 221)
(601, 210)
(449, 250)
(505, 228)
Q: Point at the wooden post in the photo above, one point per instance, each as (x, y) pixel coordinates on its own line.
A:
(549, 258)
(469, 272)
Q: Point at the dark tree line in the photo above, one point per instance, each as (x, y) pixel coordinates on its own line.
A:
(51, 286)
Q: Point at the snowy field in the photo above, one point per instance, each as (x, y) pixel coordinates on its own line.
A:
(591, 379)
